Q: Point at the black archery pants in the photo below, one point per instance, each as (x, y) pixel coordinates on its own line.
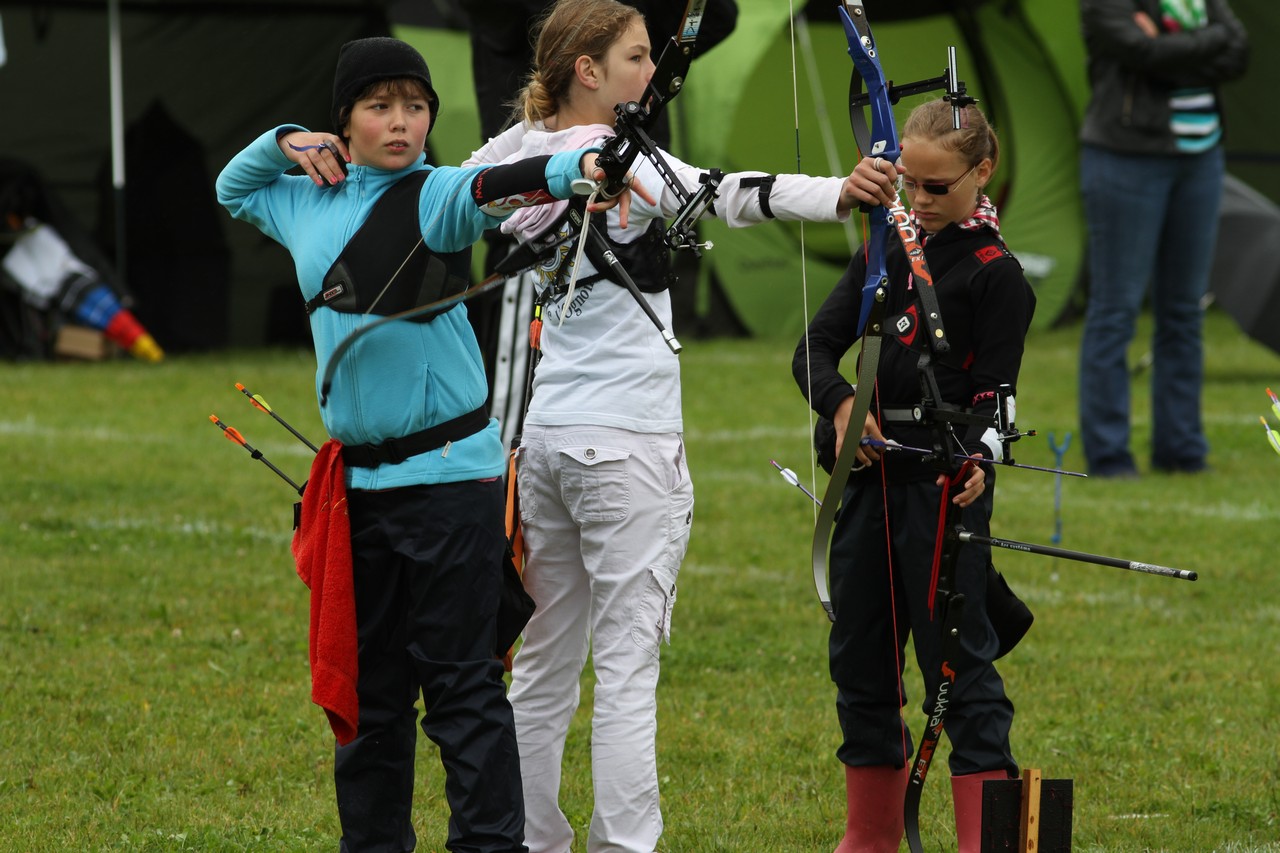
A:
(427, 571)
(872, 596)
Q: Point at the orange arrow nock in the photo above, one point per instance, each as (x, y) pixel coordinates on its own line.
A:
(231, 433)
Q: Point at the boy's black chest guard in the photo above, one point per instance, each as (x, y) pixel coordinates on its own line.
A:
(386, 268)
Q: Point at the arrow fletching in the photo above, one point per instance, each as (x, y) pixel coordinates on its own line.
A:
(1272, 435)
(231, 433)
(234, 435)
(256, 399)
(263, 406)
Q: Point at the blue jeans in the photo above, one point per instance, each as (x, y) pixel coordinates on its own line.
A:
(1151, 220)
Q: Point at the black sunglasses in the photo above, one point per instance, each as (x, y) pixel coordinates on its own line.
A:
(936, 189)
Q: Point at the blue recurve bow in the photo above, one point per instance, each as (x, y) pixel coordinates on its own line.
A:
(883, 143)
(880, 139)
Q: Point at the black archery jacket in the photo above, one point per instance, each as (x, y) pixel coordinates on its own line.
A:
(986, 308)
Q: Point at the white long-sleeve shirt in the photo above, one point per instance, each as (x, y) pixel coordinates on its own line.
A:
(606, 364)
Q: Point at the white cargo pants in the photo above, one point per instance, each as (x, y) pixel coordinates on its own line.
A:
(606, 515)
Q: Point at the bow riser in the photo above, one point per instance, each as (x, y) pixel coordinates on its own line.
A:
(883, 140)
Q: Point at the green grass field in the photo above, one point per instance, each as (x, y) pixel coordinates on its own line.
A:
(153, 632)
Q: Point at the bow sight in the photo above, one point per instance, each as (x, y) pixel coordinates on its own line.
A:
(953, 89)
(635, 120)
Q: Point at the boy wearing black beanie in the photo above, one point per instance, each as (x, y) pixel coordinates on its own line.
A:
(421, 461)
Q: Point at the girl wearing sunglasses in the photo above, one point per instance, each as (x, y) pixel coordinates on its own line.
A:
(882, 550)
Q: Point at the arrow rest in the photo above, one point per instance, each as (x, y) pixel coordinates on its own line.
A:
(1006, 411)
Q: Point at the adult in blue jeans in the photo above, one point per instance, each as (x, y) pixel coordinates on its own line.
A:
(1151, 174)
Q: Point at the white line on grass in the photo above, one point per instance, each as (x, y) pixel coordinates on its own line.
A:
(29, 427)
(195, 527)
(751, 434)
(1136, 816)
(744, 571)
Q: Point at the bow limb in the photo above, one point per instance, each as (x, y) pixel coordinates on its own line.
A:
(946, 609)
(864, 391)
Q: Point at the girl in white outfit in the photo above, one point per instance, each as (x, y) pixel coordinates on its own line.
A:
(606, 499)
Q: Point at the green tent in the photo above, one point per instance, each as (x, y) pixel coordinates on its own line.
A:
(1024, 60)
(738, 112)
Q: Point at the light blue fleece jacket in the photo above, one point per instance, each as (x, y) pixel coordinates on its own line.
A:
(404, 377)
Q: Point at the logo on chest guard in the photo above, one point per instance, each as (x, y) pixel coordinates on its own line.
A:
(904, 326)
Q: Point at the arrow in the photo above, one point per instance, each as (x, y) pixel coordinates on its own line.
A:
(234, 435)
(1032, 548)
(790, 477)
(263, 406)
(1131, 565)
(893, 445)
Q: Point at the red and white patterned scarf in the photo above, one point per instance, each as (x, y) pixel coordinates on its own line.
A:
(984, 215)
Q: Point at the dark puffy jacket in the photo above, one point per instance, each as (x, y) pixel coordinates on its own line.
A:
(1132, 74)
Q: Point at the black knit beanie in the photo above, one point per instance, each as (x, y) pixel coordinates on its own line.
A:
(366, 61)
